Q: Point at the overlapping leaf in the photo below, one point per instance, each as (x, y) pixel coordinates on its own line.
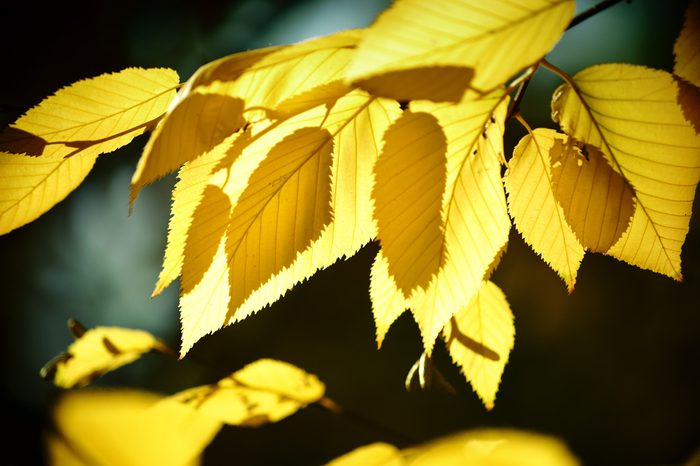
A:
(198, 119)
(93, 115)
(97, 351)
(264, 391)
(188, 193)
(428, 50)
(687, 46)
(630, 113)
(597, 202)
(212, 104)
(479, 338)
(409, 183)
(69, 130)
(249, 272)
(106, 427)
(474, 218)
(536, 213)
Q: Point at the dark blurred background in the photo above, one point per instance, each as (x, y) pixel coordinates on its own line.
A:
(611, 369)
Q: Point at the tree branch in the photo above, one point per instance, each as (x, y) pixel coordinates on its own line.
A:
(583, 16)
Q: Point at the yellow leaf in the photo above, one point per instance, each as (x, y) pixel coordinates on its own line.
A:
(374, 454)
(193, 180)
(208, 306)
(109, 427)
(630, 113)
(32, 186)
(287, 75)
(196, 125)
(536, 213)
(284, 208)
(264, 391)
(493, 447)
(225, 69)
(324, 94)
(687, 47)
(473, 212)
(424, 50)
(598, 203)
(479, 447)
(479, 338)
(409, 184)
(388, 301)
(93, 116)
(97, 351)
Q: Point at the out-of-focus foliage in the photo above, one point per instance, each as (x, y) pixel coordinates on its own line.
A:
(97, 351)
(489, 447)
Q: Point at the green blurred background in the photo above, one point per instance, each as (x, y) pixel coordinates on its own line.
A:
(611, 369)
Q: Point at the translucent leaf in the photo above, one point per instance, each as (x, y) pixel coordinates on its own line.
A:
(278, 209)
(289, 72)
(536, 213)
(481, 447)
(196, 125)
(479, 338)
(284, 207)
(106, 427)
(473, 212)
(97, 351)
(630, 113)
(374, 454)
(436, 50)
(409, 184)
(687, 47)
(264, 391)
(325, 94)
(32, 186)
(598, 203)
(388, 301)
(209, 305)
(193, 180)
(93, 116)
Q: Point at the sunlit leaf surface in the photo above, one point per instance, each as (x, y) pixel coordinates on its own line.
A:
(630, 113)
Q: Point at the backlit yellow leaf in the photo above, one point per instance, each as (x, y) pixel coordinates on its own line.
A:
(388, 301)
(630, 113)
(325, 94)
(687, 46)
(93, 116)
(409, 183)
(193, 180)
(479, 338)
(598, 203)
(264, 391)
(473, 213)
(436, 50)
(100, 350)
(110, 427)
(536, 213)
(31, 185)
(209, 306)
(286, 75)
(480, 447)
(374, 454)
(196, 125)
(284, 207)
(280, 198)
